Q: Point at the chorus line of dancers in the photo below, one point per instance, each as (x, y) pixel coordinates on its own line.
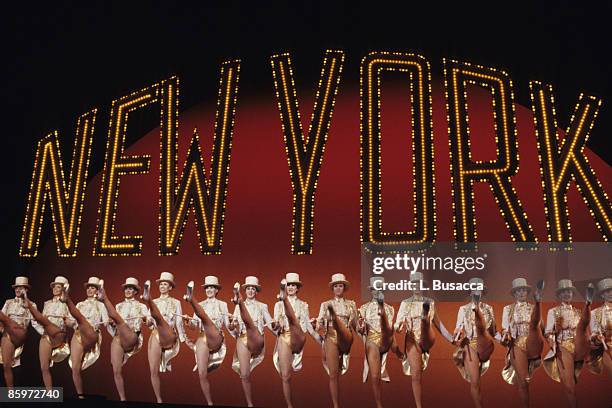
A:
(575, 337)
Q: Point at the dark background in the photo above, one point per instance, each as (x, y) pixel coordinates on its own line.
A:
(62, 59)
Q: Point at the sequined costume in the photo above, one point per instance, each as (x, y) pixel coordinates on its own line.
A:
(561, 324)
(170, 309)
(217, 311)
(56, 311)
(466, 320)
(261, 317)
(17, 312)
(300, 308)
(94, 311)
(346, 310)
(373, 334)
(410, 313)
(133, 314)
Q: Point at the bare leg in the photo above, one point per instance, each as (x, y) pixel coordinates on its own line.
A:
(416, 372)
(484, 345)
(203, 354)
(76, 358)
(154, 356)
(566, 372)
(255, 340)
(297, 334)
(386, 330)
(374, 365)
(428, 337)
(332, 357)
(167, 336)
(214, 339)
(57, 335)
(472, 365)
(535, 342)
(17, 333)
(44, 355)
(285, 363)
(582, 343)
(89, 337)
(127, 337)
(244, 356)
(518, 359)
(117, 363)
(8, 351)
(344, 334)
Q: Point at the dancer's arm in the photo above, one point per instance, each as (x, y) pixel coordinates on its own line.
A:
(401, 316)
(35, 325)
(307, 327)
(491, 325)
(226, 315)
(234, 324)
(550, 327)
(179, 322)
(459, 325)
(267, 317)
(104, 319)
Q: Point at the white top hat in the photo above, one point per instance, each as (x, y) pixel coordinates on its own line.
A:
(211, 280)
(59, 280)
(519, 283)
(292, 277)
(604, 285)
(131, 282)
(166, 277)
(251, 281)
(416, 276)
(476, 281)
(565, 284)
(375, 279)
(21, 281)
(339, 278)
(92, 281)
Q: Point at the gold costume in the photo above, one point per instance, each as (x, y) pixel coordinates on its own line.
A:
(466, 320)
(369, 312)
(94, 311)
(601, 325)
(515, 321)
(300, 308)
(133, 313)
(170, 309)
(346, 310)
(18, 313)
(56, 311)
(409, 313)
(218, 312)
(561, 322)
(261, 317)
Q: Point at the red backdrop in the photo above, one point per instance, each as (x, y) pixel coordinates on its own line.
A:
(257, 237)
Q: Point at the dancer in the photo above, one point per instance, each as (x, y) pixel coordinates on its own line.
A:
(87, 317)
(209, 317)
(522, 335)
(601, 331)
(562, 321)
(293, 321)
(247, 325)
(14, 318)
(125, 328)
(417, 318)
(336, 322)
(51, 325)
(167, 322)
(375, 324)
(474, 336)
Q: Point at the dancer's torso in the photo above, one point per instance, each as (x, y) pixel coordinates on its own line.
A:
(345, 309)
(410, 313)
(132, 312)
(563, 321)
(300, 308)
(94, 311)
(259, 314)
(601, 322)
(369, 312)
(56, 311)
(17, 312)
(467, 318)
(216, 310)
(516, 318)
